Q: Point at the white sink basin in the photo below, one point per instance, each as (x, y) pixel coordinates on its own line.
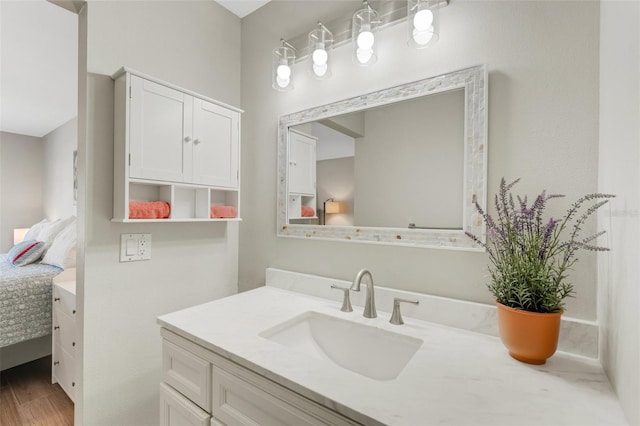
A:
(367, 350)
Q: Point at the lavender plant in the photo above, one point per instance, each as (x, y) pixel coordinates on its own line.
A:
(531, 256)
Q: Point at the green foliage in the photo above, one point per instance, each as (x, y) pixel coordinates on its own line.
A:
(530, 261)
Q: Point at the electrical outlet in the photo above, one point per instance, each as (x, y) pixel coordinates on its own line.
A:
(135, 247)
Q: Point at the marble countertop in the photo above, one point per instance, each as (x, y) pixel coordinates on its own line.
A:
(457, 377)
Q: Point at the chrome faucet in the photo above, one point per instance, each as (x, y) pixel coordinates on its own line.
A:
(370, 303)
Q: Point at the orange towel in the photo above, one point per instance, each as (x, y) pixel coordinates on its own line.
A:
(149, 210)
(308, 212)
(223, 212)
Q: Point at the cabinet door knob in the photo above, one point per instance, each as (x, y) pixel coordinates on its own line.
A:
(73, 384)
(56, 327)
(56, 299)
(74, 312)
(197, 141)
(187, 139)
(56, 362)
(73, 344)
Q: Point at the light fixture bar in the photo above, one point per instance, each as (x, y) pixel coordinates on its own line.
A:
(389, 13)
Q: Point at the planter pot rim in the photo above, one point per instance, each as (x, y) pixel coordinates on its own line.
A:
(523, 312)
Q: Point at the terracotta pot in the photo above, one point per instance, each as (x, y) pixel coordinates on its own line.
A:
(530, 337)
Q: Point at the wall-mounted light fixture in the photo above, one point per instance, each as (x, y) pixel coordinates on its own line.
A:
(360, 29)
(282, 71)
(422, 23)
(363, 27)
(320, 44)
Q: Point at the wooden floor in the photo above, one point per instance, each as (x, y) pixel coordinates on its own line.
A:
(27, 397)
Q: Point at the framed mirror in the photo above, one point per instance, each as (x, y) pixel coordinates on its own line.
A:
(401, 166)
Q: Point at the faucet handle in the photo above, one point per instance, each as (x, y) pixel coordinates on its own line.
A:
(346, 301)
(396, 316)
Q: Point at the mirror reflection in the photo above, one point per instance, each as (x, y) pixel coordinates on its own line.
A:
(403, 165)
(399, 165)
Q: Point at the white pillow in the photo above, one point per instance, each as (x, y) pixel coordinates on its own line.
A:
(62, 250)
(34, 232)
(51, 230)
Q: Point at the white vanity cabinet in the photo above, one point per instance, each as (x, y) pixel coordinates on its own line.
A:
(302, 173)
(63, 350)
(201, 386)
(175, 146)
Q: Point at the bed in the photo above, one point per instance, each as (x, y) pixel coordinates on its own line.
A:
(25, 301)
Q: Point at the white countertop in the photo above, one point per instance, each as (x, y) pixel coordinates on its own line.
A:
(457, 377)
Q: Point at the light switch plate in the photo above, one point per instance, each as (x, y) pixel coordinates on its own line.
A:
(135, 247)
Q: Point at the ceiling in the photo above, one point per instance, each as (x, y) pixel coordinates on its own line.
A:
(39, 63)
(242, 8)
(39, 66)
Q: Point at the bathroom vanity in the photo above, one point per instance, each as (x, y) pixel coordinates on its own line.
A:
(254, 358)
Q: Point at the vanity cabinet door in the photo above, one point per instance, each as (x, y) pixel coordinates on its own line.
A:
(160, 139)
(176, 410)
(302, 163)
(215, 144)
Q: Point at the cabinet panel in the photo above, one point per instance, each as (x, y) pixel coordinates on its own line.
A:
(64, 370)
(159, 134)
(302, 163)
(238, 402)
(215, 145)
(64, 331)
(175, 146)
(187, 373)
(176, 410)
(63, 300)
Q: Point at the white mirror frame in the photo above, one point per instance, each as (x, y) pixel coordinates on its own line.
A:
(474, 82)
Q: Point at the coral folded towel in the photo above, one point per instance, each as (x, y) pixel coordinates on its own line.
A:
(223, 212)
(149, 210)
(308, 212)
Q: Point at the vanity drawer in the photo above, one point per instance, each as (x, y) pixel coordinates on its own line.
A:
(187, 373)
(176, 410)
(241, 397)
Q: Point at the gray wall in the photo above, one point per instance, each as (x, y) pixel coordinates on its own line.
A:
(21, 184)
(619, 173)
(58, 170)
(543, 128)
(409, 165)
(195, 45)
(336, 180)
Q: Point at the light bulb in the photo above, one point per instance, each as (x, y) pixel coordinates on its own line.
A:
(320, 57)
(423, 20)
(284, 72)
(423, 37)
(364, 55)
(365, 40)
(282, 82)
(320, 70)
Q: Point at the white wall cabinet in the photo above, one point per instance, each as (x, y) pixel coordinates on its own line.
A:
(302, 174)
(175, 146)
(63, 350)
(199, 383)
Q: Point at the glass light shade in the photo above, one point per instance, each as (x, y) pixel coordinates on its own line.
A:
(422, 23)
(320, 44)
(363, 35)
(332, 207)
(18, 235)
(282, 70)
